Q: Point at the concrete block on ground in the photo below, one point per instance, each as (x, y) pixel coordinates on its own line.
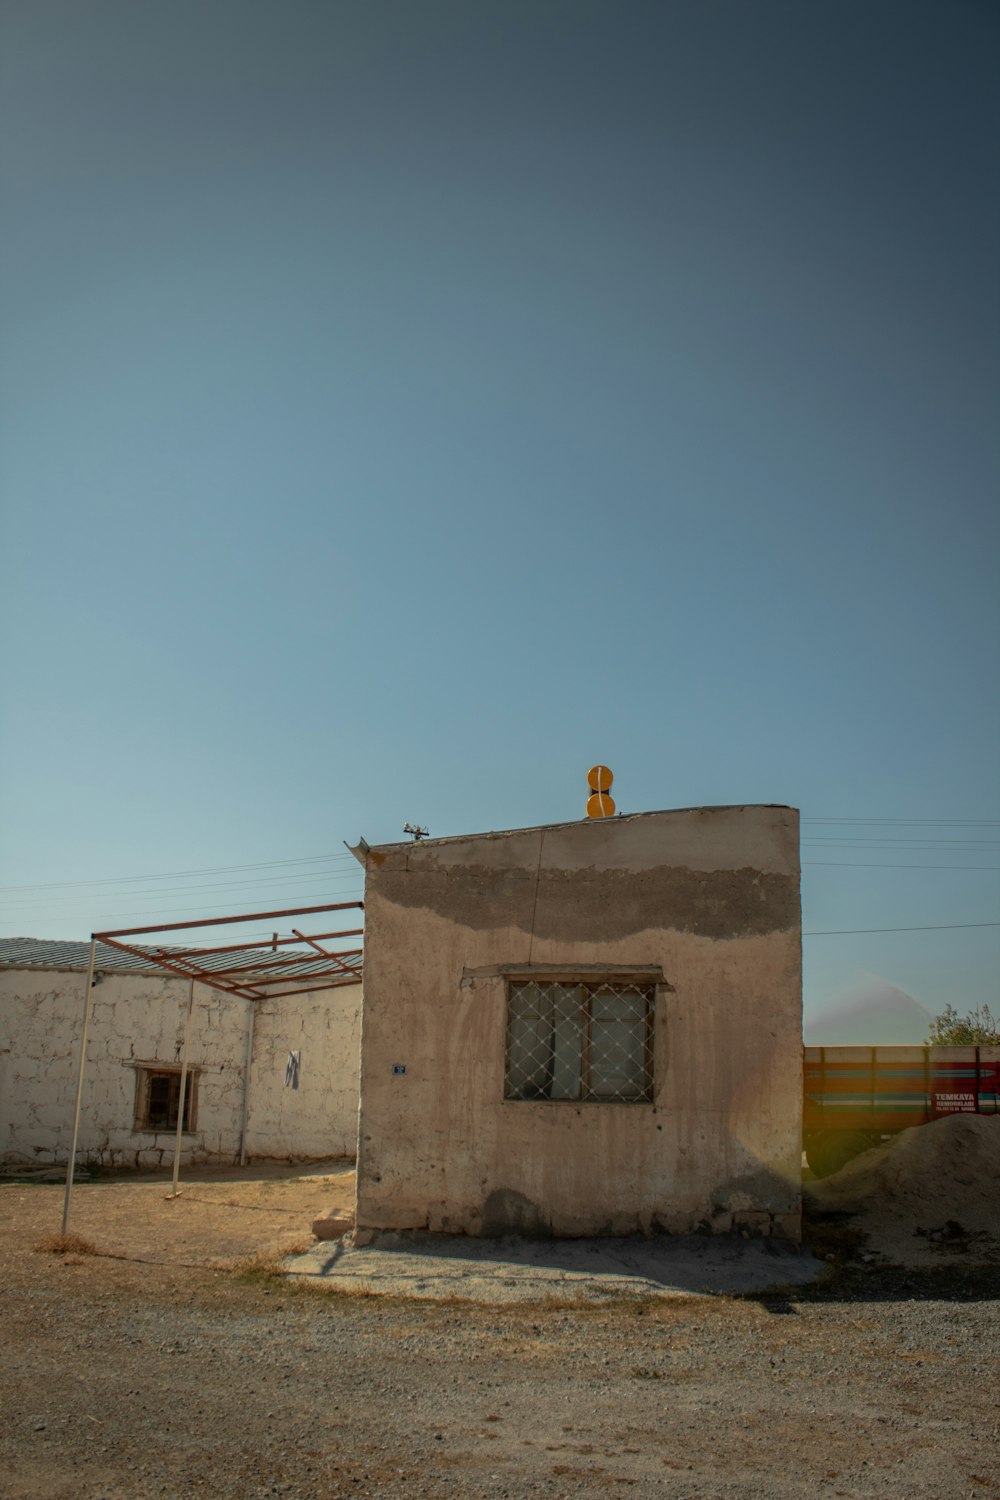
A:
(333, 1227)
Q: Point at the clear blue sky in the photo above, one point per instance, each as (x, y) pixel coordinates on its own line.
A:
(403, 406)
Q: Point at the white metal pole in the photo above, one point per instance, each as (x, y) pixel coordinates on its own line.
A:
(70, 1165)
(246, 1085)
(180, 1101)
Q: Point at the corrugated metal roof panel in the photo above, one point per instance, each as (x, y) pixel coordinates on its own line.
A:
(55, 953)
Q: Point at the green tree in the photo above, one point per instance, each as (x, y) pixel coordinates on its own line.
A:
(979, 1028)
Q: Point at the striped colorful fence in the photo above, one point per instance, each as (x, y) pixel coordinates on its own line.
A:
(891, 1088)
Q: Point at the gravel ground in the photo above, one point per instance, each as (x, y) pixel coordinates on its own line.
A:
(148, 1371)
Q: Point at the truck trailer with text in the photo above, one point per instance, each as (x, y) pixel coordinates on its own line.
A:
(855, 1097)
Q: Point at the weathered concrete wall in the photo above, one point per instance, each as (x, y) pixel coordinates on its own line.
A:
(139, 1019)
(711, 896)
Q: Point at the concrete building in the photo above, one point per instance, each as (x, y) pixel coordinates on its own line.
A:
(129, 1107)
(588, 1028)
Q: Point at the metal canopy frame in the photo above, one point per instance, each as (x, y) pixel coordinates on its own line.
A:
(245, 969)
(252, 970)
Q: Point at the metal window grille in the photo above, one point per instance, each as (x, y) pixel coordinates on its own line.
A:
(158, 1098)
(580, 1041)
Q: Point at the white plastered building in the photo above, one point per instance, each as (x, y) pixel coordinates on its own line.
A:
(130, 1095)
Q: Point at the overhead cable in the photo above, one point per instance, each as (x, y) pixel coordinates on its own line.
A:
(846, 864)
(938, 927)
(172, 890)
(266, 864)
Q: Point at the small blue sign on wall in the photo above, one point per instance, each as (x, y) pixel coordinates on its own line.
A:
(398, 1069)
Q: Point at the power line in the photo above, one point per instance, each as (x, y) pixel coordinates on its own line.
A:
(180, 874)
(846, 864)
(891, 843)
(338, 877)
(270, 882)
(922, 822)
(218, 935)
(940, 927)
(270, 864)
(183, 911)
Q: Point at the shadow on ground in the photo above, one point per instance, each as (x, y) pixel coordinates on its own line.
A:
(511, 1269)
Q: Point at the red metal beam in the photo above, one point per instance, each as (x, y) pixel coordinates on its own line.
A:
(257, 916)
(339, 984)
(325, 954)
(185, 972)
(243, 979)
(313, 942)
(262, 943)
(255, 966)
(318, 974)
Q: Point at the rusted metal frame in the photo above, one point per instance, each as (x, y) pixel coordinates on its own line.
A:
(257, 981)
(270, 943)
(240, 993)
(247, 990)
(255, 966)
(352, 969)
(311, 941)
(306, 989)
(203, 976)
(184, 969)
(227, 979)
(329, 979)
(256, 916)
(259, 986)
(266, 985)
(190, 971)
(234, 970)
(335, 958)
(256, 973)
(230, 987)
(318, 989)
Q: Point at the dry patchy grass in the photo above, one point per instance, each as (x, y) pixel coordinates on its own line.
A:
(67, 1244)
(268, 1264)
(267, 1269)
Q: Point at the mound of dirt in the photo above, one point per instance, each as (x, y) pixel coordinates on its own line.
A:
(930, 1194)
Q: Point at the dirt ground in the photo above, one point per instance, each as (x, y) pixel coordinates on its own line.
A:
(176, 1363)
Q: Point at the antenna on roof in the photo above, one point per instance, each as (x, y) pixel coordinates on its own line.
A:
(600, 804)
(415, 831)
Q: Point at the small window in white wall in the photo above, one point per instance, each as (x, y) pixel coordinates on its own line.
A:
(157, 1097)
(582, 1041)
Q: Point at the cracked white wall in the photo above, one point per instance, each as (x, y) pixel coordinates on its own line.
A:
(139, 1019)
(320, 1117)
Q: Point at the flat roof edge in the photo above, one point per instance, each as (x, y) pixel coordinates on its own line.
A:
(500, 833)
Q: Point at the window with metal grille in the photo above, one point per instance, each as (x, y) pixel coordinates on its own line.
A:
(158, 1095)
(580, 1041)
